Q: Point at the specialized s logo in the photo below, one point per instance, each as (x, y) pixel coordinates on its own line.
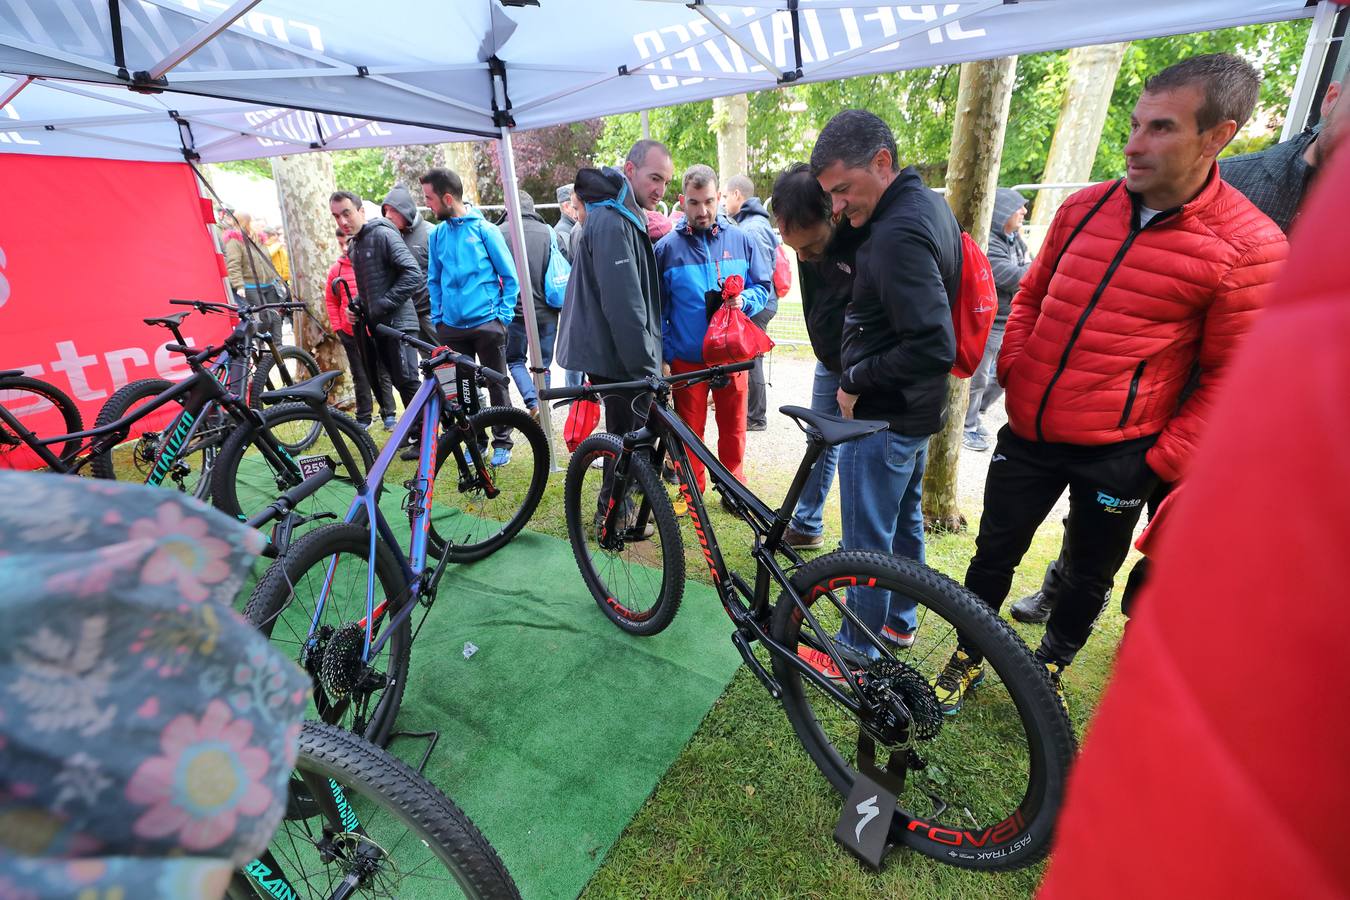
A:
(1114, 505)
(868, 810)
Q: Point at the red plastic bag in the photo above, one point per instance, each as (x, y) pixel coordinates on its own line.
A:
(974, 308)
(581, 421)
(733, 338)
(782, 273)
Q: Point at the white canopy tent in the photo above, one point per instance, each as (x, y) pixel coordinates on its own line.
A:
(231, 79)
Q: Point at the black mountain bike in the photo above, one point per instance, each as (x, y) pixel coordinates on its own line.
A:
(28, 403)
(978, 790)
(360, 823)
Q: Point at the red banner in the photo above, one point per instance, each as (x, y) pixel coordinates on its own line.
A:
(88, 249)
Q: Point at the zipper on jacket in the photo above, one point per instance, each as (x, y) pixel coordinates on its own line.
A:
(1135, 231)
(1134, 389)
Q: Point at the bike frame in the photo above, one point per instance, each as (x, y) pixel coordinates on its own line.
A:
(665, 433)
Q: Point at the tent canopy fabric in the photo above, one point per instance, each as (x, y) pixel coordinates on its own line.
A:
(230, 80)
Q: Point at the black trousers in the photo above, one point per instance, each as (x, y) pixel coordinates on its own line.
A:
(362, 373)
(426, 330)
(623, 413)
(756, 406)
(400, 365)
(1108, 486)
(487, 344)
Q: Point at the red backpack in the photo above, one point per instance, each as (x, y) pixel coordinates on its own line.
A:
(974, 308)
(782, 273)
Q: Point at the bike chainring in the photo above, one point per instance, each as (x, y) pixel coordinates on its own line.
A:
(341, 669)
(909, 709)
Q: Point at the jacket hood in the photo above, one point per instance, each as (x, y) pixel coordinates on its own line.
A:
(1006, 202)
(594, 185)
(751, 207)
(470, 212)
(400, 198)
(377, 222)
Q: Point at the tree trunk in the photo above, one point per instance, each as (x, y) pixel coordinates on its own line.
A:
(728, 118)
(972, 177)
(461, 159)
(1087, 99)
(304, 182)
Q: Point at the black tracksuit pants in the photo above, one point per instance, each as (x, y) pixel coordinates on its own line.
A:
(1108, 486)
(487, 344)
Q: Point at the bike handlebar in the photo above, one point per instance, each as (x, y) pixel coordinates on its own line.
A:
(643, 385)
(208, 306)
(194, 356)
(439, 356)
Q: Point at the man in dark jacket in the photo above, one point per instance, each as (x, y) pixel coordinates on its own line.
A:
(539, 241)
(387, 276)
(898, 346)
(401, 211)
(1009, 261)
(826, 254)
(567, 219)
(746, 210)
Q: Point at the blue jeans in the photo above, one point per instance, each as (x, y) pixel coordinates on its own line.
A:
(573, 379)
(518, 353)
(881, 494)
(809, 516)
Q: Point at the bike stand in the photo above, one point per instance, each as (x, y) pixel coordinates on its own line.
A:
(431, 736)
(865, 821)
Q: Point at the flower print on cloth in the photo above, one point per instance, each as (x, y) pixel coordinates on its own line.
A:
(65, 682)
(185, 555)
(207, 776)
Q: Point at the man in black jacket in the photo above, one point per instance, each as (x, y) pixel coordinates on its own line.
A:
(403, 214)
(1009, 261)
(898, 346)
(387, 276)
(539, 242)
(826, 254)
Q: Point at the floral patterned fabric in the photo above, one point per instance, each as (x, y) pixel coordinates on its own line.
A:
(146, 731)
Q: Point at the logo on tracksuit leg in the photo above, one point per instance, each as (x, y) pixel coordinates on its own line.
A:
(1114, 505)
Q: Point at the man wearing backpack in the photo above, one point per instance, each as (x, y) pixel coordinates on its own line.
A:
(540, 244)
(1140, 282)
(898, 346)
(747, 211)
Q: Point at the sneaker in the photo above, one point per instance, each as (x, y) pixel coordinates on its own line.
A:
(533, 411)
(1056, 671)
(501, 456)
(390, 422)
(800, 540)
(821, 662)
(973, 440)
(668, 474)
(1033, 609)
(727, 505)
(597, 462)
(364, 426)
(898, 638)
(756, 426)
(960, 675)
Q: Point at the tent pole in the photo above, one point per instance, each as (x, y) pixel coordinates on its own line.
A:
(1310, 70)
(13, 90)
(517, 238)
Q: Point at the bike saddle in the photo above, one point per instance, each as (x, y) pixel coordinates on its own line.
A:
(172, 321)
(314, 391)
(833, 430)
(10, 373)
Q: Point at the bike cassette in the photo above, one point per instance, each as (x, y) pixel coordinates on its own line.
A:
(908, 706)
(311, 654)
(341, 668)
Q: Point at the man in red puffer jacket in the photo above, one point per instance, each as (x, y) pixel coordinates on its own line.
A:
(1140, 283)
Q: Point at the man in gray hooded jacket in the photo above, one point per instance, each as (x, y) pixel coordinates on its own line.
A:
(402, 212)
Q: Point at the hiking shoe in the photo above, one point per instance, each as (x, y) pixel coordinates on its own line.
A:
(973, 440)
(533, 411)
(364, 426)
(390, 422)
(597, 462)
(501, 456)
(668, 474)
(800, 540)
(960, 675)
(756, 426)
(900, 639)
(727, 505)
(1056, 671)
(1033, 609)
(626, 525)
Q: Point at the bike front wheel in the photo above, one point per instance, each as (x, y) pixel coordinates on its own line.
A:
(636, 574)
(354, 812)
(44, 410)
(983, 784)
(327, 570)
(477, 511)
(296, 365)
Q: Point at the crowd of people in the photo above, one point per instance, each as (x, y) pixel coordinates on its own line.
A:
(1108, 347)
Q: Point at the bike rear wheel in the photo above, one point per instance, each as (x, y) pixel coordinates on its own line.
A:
(360, 697)
(464, 518)
(298, 365)
(134, 459)
(983, 786)
(637, 578)
(355, 810)
(44, 410)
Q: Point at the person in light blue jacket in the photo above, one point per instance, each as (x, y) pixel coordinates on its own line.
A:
(695, 258)
(473, 285)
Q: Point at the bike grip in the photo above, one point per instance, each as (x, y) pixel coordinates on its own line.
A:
(390, 332)
(561, 393)
(494, 376)
(180, 348)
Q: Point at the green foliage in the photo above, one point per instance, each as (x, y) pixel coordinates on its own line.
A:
(920, 106)
(365, 172)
